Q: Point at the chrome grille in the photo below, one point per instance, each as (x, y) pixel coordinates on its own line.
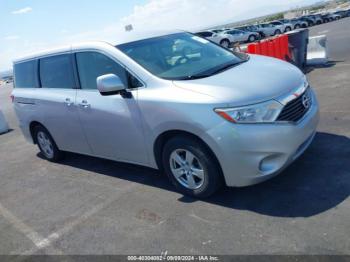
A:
(297, 108)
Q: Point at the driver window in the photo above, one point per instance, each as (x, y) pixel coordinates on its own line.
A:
(93, 64)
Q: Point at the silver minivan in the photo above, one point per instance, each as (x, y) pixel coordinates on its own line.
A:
(200, 113)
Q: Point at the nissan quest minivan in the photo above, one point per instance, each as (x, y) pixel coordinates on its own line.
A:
(202, 114)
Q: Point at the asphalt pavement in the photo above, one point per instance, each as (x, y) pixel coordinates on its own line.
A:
(86, 205)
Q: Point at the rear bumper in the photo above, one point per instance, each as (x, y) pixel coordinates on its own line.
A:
(250, 154)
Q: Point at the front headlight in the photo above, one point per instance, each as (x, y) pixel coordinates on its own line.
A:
(306, 82)
(259, 113)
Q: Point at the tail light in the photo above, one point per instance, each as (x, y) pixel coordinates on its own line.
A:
(12, 98)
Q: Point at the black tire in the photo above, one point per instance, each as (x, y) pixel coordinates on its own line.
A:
(288, 28)
(225, 43)
(277, 32)
(57, 154)
(297, 26)
(252, 38)
(213, 178)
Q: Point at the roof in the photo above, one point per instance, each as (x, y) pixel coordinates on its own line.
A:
(56, 50)
(125, 37)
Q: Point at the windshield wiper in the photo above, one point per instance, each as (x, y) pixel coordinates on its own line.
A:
(212, 72)
(217, 71)
(226, 67)
(193, 77)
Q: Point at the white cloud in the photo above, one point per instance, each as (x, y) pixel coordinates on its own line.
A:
(22, 11)
(11, 37)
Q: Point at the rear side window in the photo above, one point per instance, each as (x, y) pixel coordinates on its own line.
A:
(26, 74)
(233, 32)
(202, 34)
(92, 65)
(205, 34)
(57, 72)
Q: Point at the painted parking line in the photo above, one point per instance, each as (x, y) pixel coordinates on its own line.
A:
(41, 243)
(38, 240)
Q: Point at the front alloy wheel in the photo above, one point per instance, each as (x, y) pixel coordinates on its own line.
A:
(191, 166)
(187, 169)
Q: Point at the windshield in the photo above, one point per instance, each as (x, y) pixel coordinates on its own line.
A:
(181, 56)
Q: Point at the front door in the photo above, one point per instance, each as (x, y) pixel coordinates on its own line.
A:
(112, 124)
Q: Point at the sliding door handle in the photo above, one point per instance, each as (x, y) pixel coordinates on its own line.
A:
(84, 103)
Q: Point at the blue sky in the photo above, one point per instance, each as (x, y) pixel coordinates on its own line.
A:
(28, 25)
(32, 25)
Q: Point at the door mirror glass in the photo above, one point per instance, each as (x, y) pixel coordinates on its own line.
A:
(109, 84)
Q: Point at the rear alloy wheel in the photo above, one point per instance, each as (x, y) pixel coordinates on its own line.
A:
(47, 145)
(191, 167)
(297, 26)
(225, 43)
(288, 29)
(252, 38)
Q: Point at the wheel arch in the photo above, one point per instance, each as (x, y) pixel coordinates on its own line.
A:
(225, 39)
(252, 35)
(32, 126)
(167, 135)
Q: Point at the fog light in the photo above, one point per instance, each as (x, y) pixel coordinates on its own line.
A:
(272, 163)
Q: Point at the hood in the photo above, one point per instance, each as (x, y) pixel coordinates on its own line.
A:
(259, 79)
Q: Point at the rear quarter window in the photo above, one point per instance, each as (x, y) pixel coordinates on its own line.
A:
(26, 74)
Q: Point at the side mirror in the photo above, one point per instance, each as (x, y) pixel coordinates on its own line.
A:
(109, 84)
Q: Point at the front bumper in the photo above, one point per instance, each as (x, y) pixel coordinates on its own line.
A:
(252, 153)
